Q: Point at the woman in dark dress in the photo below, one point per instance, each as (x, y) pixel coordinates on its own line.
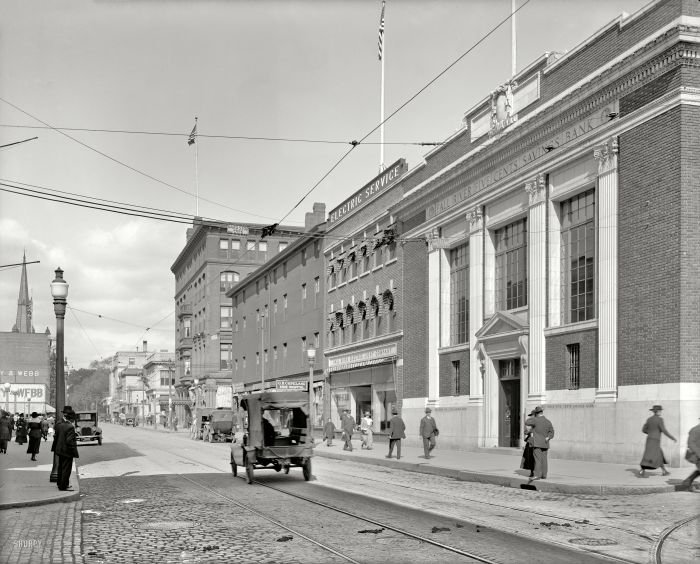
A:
(5, 432)
(528, 460)
(653, 456)
(34, 426)
(21, 432)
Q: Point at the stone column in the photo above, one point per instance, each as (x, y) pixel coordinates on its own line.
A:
(606, 155)
(537, 286)
(475, 217)
(433, 322)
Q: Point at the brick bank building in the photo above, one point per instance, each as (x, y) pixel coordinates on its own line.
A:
(562, 265)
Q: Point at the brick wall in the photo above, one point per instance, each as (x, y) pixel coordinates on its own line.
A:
(690, 244)
(649, 288)
(415, 283)
(558, 361)
(447, 373)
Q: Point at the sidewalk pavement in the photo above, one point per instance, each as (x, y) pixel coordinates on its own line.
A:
(502, 467)
(23, 482)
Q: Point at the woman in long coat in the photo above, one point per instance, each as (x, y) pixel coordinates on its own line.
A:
(21, 432)
(528, 460)
(35, 433)
(653, 456)
(5, 433)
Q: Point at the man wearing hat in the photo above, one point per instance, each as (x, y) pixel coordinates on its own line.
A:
(65, 446)
(397, 431)
(428, 431)
(348, 425)
(692, 455)
(542, 432)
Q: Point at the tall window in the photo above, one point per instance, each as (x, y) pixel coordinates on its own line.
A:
(459, 294)
(235, 245)
(573, 355)
(226, 317)
(223, 247)
(250, 245)
(187, 326)
(227, 280)
(225, 356)
(262, 246)
(578, 257)
(511, 265)
(317, 290)
(282, 246)
(455, 378)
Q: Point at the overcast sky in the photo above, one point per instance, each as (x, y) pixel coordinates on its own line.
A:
(283, 69)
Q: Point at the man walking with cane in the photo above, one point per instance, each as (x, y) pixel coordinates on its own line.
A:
(428, 431)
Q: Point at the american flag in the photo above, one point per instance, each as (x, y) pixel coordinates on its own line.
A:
(381, 31)
(193, 136)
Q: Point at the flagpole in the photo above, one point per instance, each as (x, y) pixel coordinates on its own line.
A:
(513, 42)
(382, 55)
(196, 168)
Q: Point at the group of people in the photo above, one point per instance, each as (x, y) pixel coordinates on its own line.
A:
(539, 431)
(397, 431)
(30, 430)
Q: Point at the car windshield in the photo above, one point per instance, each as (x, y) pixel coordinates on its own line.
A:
(85, 417)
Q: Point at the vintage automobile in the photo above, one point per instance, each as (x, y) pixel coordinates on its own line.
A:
(130, 421)
(220, 426)
(274, 433)
(87, 427)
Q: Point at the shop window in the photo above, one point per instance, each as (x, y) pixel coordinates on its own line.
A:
(225, 356)
(573, 355)
(578, 254)
(511, 265)
(459, 294)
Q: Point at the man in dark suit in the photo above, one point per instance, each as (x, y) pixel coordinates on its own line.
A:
(65, 445)
(348, 424)
(397, 431)
(542, 433)
(428, 431)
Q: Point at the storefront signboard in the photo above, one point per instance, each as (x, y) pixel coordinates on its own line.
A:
(368, 357)
(288, 385)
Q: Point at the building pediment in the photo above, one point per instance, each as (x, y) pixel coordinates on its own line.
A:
(503, 323)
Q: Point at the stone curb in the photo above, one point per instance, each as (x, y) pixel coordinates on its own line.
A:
(505, 481)
(62, 498)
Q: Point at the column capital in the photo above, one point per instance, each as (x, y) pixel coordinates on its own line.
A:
(606, 155)
(536, 189)
(475, 216)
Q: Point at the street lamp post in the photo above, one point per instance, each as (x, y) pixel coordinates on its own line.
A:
(311, 355)
(29, 406)
(196, 405)
(170, 395)
(59, 292)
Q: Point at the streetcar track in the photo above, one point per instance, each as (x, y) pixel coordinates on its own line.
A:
(509, 508)
(406, 533)
(658, 544)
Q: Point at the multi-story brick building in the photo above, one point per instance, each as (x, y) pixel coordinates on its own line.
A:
(214, 259)
(363, 301)
(563, 266)
(278, 316)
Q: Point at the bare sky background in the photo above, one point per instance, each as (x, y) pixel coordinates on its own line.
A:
(285, 68)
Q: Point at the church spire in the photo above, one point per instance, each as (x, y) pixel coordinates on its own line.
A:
(24, 303)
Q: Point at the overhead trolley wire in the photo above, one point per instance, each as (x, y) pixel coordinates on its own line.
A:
(220, 136)
(408, 101)
(133, 169)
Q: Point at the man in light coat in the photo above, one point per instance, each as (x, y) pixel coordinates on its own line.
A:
(428, 431)
(542, 433)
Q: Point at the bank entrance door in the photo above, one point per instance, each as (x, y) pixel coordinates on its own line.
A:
(509, 424)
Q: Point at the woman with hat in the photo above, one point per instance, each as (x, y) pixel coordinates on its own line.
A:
(5, 431)
(21, 432)
(528, 460)
(653, 456)
(35, 433)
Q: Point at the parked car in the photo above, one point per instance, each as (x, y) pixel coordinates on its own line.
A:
(219, 428)
(87, 427)
(130, 421)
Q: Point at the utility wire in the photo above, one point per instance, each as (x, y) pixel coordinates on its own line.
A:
(84, 331)
(133, 169)
(215, 136)
(154, 325)
(408, 101)
(17, 142)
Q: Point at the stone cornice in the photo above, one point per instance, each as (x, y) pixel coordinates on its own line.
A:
(612, 82)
